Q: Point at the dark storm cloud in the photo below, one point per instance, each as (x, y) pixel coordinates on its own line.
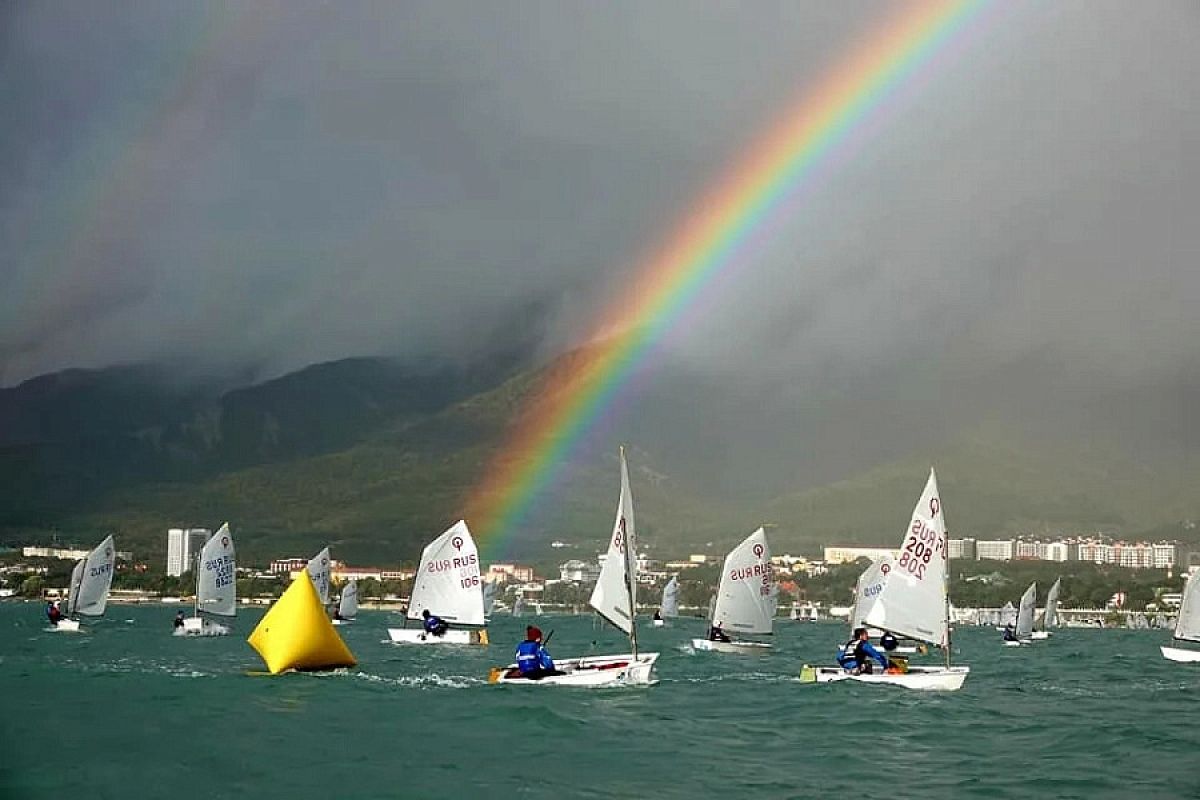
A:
(285, 184)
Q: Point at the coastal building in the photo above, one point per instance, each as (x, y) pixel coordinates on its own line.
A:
(286, 566)
(1060, 551)
(578, 571)
(506, 573)
(994, 550)
(961, 549)
(183, 544)
(848, 555)
(66, 553)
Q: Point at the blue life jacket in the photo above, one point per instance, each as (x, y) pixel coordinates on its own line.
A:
(432, 623)
(529, 656)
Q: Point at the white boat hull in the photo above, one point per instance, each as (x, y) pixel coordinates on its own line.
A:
(587, 672)
(658, 623)
(67, 626)
(744, 647)
(927, 679)
(1017, 643)
(452, 636)
(200, 626)
(342, 621)
(1038, 636)
(1181, 655)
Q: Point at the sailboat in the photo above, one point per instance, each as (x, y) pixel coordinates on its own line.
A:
(1008, 616)
(869, 586)
(669, 607)
(348, 606)
(1050, 615)
(615, 599)
(1025, 612)
(90, 581)
(318, 570)
(913, 602)
(1187, 625)
(216, 586)
(746, 599)
(449, 586)
(518, 608)
(296, 634)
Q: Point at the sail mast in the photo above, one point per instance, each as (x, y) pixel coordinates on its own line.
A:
(630, 575)
(196, 594)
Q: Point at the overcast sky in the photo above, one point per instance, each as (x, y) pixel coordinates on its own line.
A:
(279, 184)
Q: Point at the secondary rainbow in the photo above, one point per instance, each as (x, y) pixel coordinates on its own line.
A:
(704, 246)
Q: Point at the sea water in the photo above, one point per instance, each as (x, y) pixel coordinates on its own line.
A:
(128, 710)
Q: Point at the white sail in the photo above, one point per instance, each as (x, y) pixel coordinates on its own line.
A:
(746, 599)
(1026, 611)
(73, 591)
(217, 589)
(489, 596)
(518, 606)
(318, 572)
(614, 596)
(96, 579)
(1187, 626)
(1050, 619)
(870, 588)
(670, 599)
(348, 606)
(913, 601)
(448, 582)
(1008, 614)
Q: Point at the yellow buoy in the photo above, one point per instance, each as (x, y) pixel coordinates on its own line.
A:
(296, 634)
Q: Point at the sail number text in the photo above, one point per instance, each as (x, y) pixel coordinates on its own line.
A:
(920, 546)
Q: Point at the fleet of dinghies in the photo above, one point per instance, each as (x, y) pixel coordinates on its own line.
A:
(904, 596)
(910, 601)
(216, 587)
(614, 599)
(447, 585)
(746, 600)
(90, 582)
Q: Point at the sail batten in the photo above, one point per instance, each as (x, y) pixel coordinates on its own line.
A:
(615, 594)
(448, 582)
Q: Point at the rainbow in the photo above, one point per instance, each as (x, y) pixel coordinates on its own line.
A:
(571, 398)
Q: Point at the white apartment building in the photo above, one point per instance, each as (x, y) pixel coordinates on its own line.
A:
(182, 546)
(578, 571)
(961, 549)
(994, 549)
(1058, 551)
(848, 555)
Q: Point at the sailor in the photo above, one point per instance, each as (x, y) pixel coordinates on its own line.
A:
(337, 613)
(657, 616)
(716, 634)
(857, 653)
(433, 625)
(532, 659)
(178, 619)
(1010, 634)
(53, 612)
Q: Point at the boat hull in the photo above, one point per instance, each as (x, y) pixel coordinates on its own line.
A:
(452, 636)
(199, 626)
(1017, 643)
(587, 672)
(658, 623)
(1181, 655)
(342, 621)
(744, 647)
(1038, 636)
(67, 626)
(926, 679)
